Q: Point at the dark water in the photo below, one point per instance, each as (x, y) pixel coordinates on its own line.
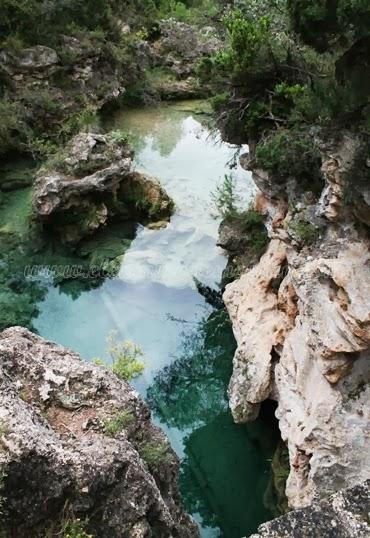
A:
(188, 346)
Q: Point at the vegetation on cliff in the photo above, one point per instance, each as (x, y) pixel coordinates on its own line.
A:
(295, 69)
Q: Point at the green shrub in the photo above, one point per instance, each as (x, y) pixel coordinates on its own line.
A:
(125, 357)
(224, 198)
(117, 424)
(10, 124)
(155, 454)
(74, 528)
(218, 101)
(304, 231)
(290, 154)
(42, 99)
(119, 136)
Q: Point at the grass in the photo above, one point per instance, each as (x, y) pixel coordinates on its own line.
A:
(74, 528)
(304, 231)
(155, 454)
(118, 423)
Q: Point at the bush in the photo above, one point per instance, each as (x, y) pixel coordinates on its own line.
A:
(290, 154)
(304, 231)
(125, 357)
(117, 424)
(155, 454)
(10, 124)
(224, 198)
(74, 528)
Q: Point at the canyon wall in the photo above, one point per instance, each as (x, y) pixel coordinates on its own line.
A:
(301, 318)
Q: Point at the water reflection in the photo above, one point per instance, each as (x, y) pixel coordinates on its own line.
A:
(225, 469)
(154, 302)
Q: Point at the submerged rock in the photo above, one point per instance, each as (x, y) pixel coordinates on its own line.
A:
(343, 515)
(78, 443)
(90, 182)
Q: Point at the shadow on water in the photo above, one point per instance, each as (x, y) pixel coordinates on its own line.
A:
(225, 470)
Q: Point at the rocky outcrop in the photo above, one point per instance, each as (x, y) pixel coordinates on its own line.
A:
(78, 443)
(177, 52)
(344, 515)
(301, 318)
(92, 181)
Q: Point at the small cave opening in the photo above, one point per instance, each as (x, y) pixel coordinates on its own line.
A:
(275, 498)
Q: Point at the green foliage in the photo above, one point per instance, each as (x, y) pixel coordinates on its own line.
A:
(224, 198)
(218, 101)
(324, 24)
(85, 119)
(248, 222)
(119, 136)
(74, 528)
(191, 12)
(125, 357)
(247, 37)
(10, 124)
(118, 423)
(41, 99)
(290, 154)
(155, 454)
(303, 231)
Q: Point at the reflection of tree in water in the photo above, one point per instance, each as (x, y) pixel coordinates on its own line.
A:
(192, 390)
(166, 136)
(225, 470)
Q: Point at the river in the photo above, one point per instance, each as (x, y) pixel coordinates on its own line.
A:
(188, 346)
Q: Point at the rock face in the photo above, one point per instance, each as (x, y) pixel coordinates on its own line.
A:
(77, 442)
(301, 318)
(91, 182)
(343, 515)
(178, 49)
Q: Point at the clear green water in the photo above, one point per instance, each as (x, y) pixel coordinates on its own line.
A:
(188, 347)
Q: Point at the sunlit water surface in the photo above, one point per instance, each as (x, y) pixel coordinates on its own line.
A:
(188, 347)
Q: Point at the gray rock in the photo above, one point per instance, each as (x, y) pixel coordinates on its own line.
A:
(31, 59)
(90, 182)
(344, 515)
(58, 459)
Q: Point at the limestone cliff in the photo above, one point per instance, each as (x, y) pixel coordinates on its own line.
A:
(301, 318)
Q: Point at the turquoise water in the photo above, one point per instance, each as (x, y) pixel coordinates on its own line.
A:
(188, 346)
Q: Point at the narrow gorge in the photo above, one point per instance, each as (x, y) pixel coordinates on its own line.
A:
(184, 269)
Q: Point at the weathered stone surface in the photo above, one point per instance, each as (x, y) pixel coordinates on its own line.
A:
(92, 182)
(185, 43)
(178, 49)
(92, 165)
(30, 59)
(259, 326)
(58, 458)
(302, 322)
(147, 194)
(322, 378)
(343, 515)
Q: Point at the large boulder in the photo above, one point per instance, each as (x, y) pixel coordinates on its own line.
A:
(92, 181)
(343, 515)
(29, 59)
(77, 443)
